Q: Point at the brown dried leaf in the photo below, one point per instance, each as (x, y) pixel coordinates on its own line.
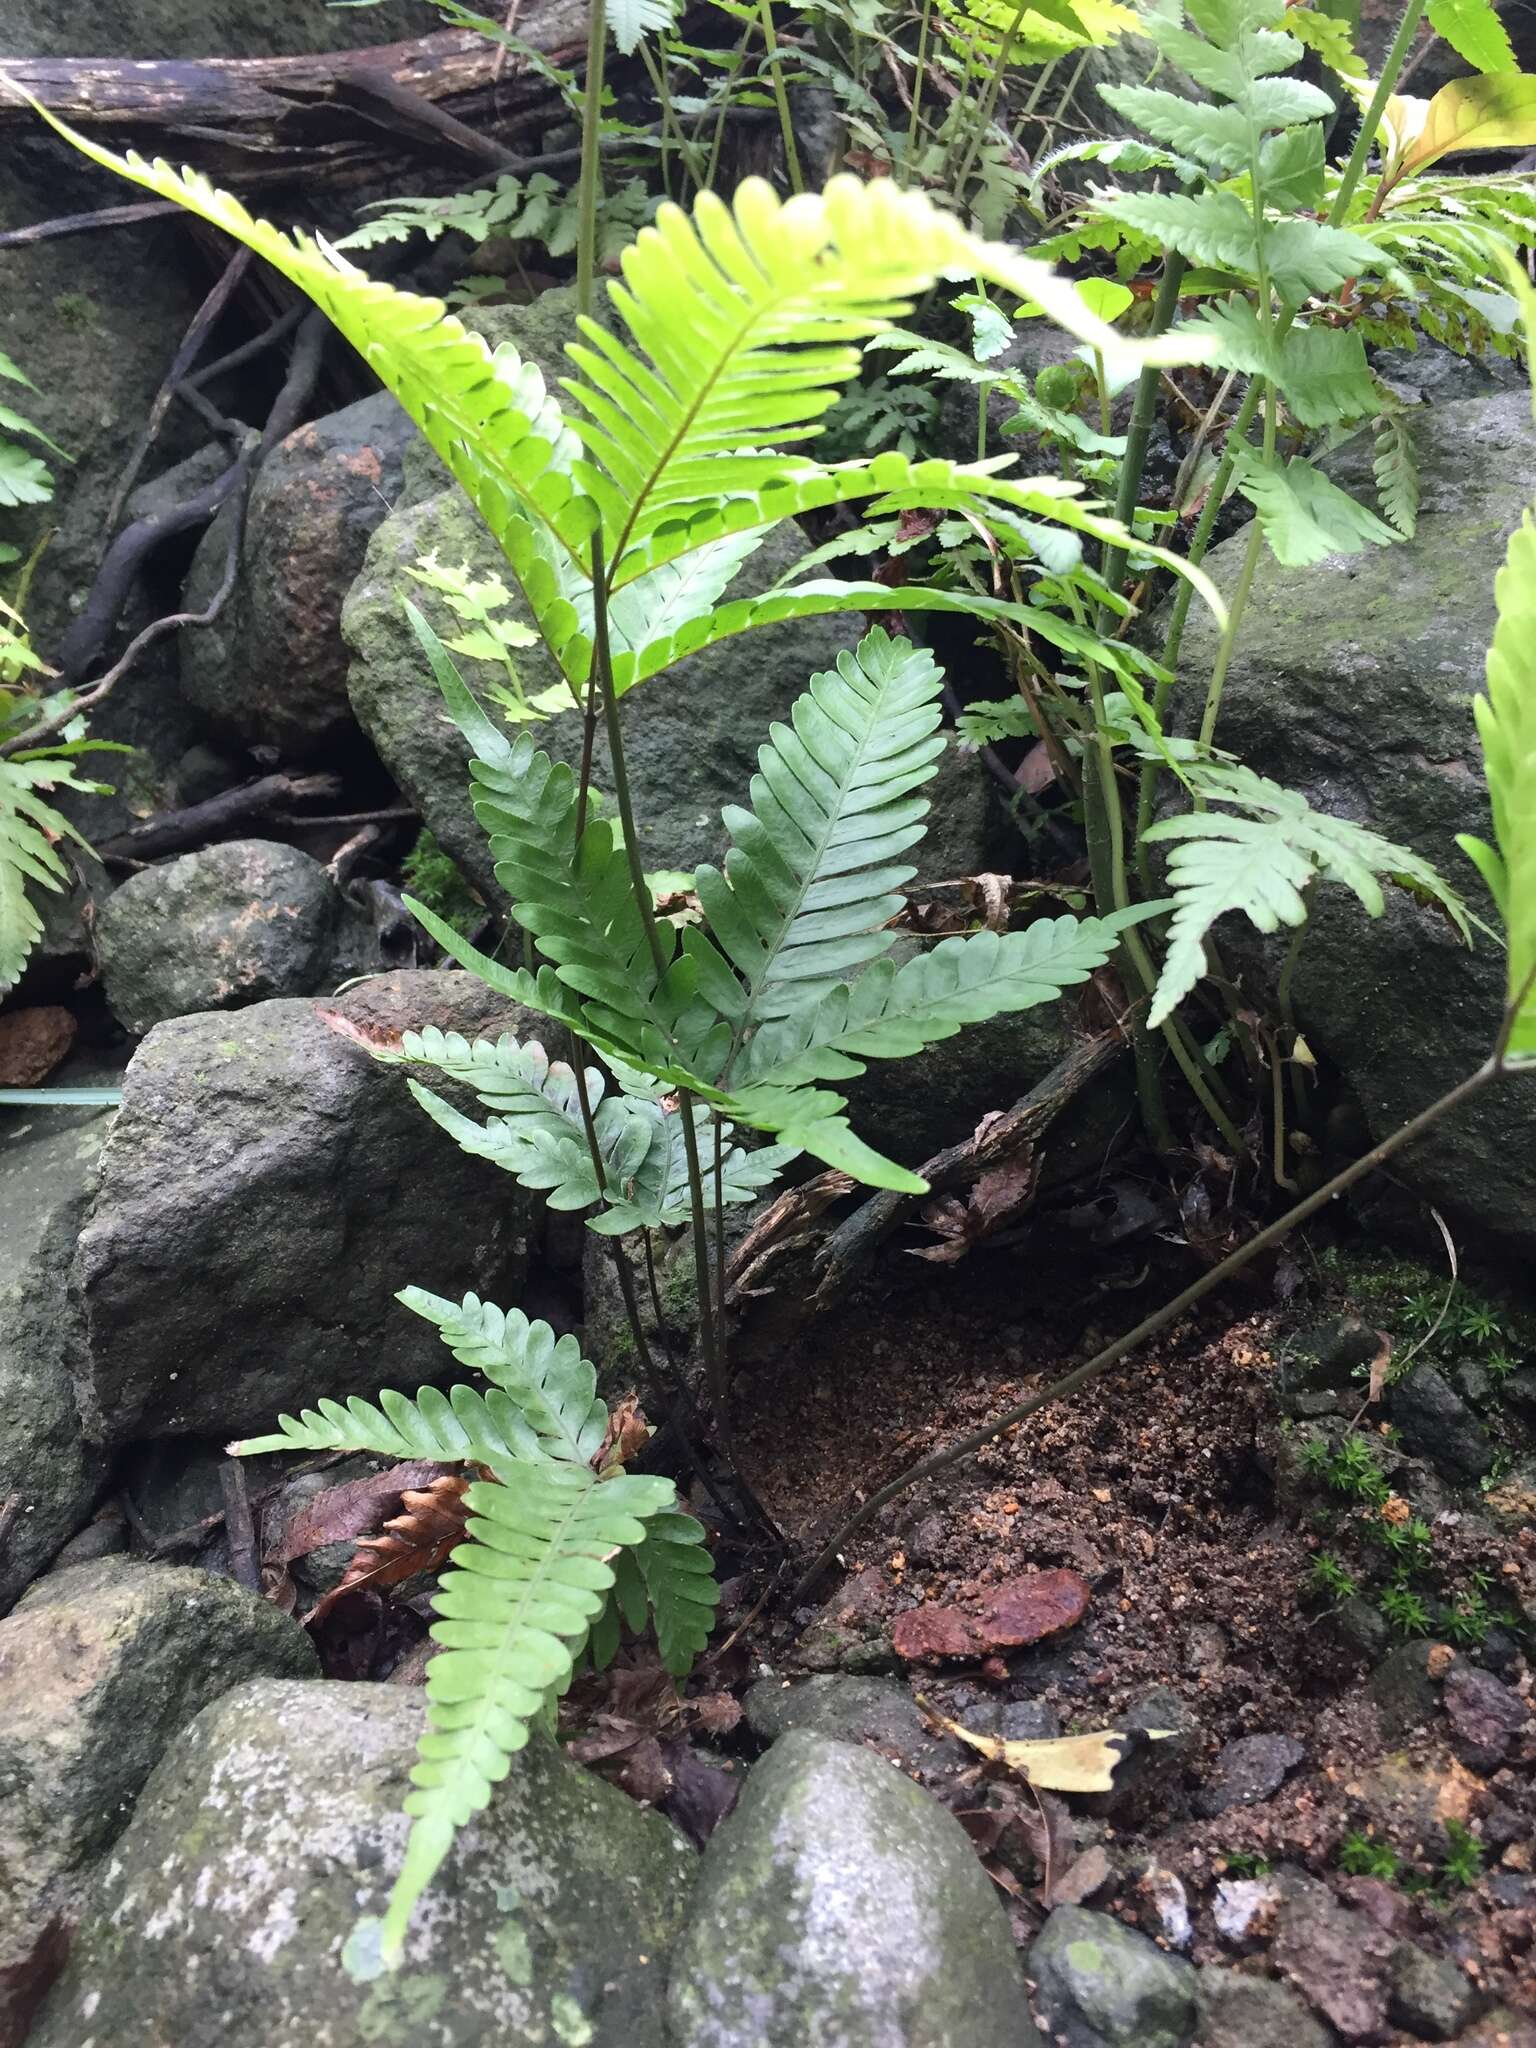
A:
(997, 1198)
(626, 1436)
(1062, 1763)
(929, 1633)
(701, 1795)
(1033, 1605)
(715, 1713)
(421, 1539)
(340, 1513)
(377, 1040)
(1379, 1366)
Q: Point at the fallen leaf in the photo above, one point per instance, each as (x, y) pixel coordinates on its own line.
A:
(1033, 1605)
(1061, 1763)
(934, 1632)
(715, 1713)
(626, 1436)
(1379, 1365)
(32, 1043)
(340, 1513)
(420, 1539)
(999, 1197)
(379, 1040)
(701, 1795)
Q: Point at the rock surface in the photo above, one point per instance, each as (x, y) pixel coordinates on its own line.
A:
(1439, 1425)
(278, 1815)
(1353, 682)
(47, 1158)
(1428, 1994)
(272, 669)
(1099, 1984)
(878, 1712)
(215, 930)
(100, 1666)
(1248, 1770)
(265, 1190)
(840, 1905)
(1239, 2011)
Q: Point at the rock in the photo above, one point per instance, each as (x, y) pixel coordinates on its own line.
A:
(216, 930)
(875, 1711)
(1429, 1995)
(1084, 1878)
(1405, 1694)
(1519, 1389)
(275, 1822)
(1352, 681)
(1168, 1903)
(1437, 1423)
(1099, 1984)
(850, 1632)
(1486, 1716)
(1336, 1959)
(691, 735)
(839, 1904)
(1501, 2029)
(265, 1190)
(272, 669)
(1239, 2011)
(1359, 1628)
(1326, 1361)
(167, 28)
(1151, 1779)
(47, 1157)
(929, 1634)
(1244, 1908)
(100, 1666)
(1249, 1770)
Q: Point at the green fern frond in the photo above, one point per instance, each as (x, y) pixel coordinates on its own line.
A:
(1304, 514)
(809, 884)
(459, 1427)
(552, 1385)
(678, 1581)
(30, 829)
(1506, 724)
(513, 1609)
(1321, 371)
(1304, 258)
(1261, 864)
(1395, 466)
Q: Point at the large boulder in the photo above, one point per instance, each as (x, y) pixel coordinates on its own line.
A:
(225, 1917)
(272, 669)
(1353, 682)
(840, 1904)
(100, 1666)
(47, 1158)
(266, 1189)
(217, 929)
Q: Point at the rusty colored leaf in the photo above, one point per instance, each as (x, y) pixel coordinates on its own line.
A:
(999, 1197)
(371, 1041)
(32, 1043)
(701, 1795)
(715, 1713)
(340, 1513)
(420, 1539)
(626, 1436)
(1033, 1605)
(926, 1634)
(1379, 1366)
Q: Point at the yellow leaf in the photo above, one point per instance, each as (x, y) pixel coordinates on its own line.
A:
(1495, 112)
(1065, 1763)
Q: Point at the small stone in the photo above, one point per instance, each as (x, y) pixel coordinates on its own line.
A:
(1336, 1959)
(879, 1712)
(32, 1043)
(1438, 1424)
(839, 1904)
(1164, 1893)
(1033, 1605)
(1100, 1984)
(1405, 1693)
(1247, 1771)
(217, 929)
(1244, 1908)
(1205, 1647)
(1486, 1716)
(1084, 1878)
(1429, 1995)
(1239, 2011)
(1519, 1389)
(1358, 1626)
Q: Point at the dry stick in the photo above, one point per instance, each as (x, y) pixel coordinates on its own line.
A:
(1491, 1070)
(186, 355)
(240, 1525)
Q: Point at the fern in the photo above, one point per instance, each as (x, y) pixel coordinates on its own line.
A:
(1396, 468)
(1305, 516)
(31, 828)
(1474, 31)
(25, 478)
(545, 1541)
(1262, 860)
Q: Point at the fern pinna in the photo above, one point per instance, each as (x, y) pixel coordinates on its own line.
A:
(558, 1548)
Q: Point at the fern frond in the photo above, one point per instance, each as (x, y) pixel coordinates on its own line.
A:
(1321, 371)
(891, 1012)
(809, 883)
(516, 1605)
(631, 21)
(1395, 466)
(1304, 514)
(1506, 725)
(459, 1427)
(30, 829)
(1261, 864)
(552, 1385)
(678, 1582)
(1304, 258)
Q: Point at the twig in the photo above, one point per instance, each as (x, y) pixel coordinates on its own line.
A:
(175, 831)
(84, 223)
(240, 1526)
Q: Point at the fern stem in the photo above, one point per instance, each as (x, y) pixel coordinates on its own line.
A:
(1391, 71)
(589, 182)
(718, 139)
(919, 76)
(982, 125)
(780, 96)
(938, 1461)
(1143, 418)
(1228, 642)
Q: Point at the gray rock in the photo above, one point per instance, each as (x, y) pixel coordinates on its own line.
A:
(46, 1161)
(216, 930)
(1353, 682)
(266, 1189)
(272, 669)
(691, 735)
(100, 1666)
(1239, 2011)
(1429, 1995)
(879, 1712)
(1486, 1716)
(1249, 1770)
(1437, 1423)
(223, 28)
(1405, 1694)
(1326, 1361)
(1100, 1984)
(1359, 1627)
(1336, 1959)
(1519, 1389)
(840, 1905)
(274, 1824)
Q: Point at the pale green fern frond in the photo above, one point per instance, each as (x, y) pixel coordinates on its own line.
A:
(1304, 514)
(553, 1386)
(678, 1581)
(459, 1427)
(514, 1609)
(30, 829)
(1262, 861)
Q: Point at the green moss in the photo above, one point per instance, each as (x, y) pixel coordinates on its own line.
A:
(76, 309)
(436, 880)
